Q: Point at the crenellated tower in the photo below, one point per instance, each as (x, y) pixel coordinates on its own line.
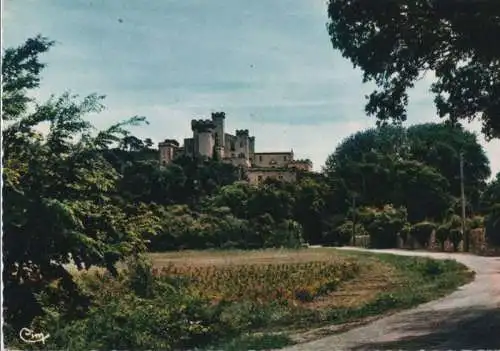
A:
(243, 143)
(219, 133)
(203, 131)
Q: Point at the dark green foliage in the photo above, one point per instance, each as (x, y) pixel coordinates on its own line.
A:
(490, 206)
(492, 225)
(422, 232)
(341, 231)
(421, 189)
(307, 202)
(383, 225)
(183, 228)
(456, 236)
(396, 42)
(442, 234)
(417, 168)
(165, 318)
(59, 193)
(439, 147)
(204, 177)
(404, 234)
(491, 195)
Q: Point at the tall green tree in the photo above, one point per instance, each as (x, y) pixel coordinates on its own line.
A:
(491, 194)
(490, 206)
(421, 189)
(395, 43)
(363, 163)
(60, 194)
(391, 164)
(440, 145)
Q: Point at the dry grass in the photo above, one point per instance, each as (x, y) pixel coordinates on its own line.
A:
(235, 257)
(372, 278)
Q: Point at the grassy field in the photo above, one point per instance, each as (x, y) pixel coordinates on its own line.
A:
(288, 296)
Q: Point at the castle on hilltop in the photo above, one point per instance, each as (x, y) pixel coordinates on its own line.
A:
(210, 140)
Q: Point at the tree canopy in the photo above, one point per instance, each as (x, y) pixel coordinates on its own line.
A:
(395, 43)
(416, 167)
(60, 194)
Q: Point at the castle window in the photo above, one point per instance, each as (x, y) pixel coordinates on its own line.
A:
(233, 148)
(241, 144)
(280, 177)
(284, 158)
(260, 158)
(259, 178)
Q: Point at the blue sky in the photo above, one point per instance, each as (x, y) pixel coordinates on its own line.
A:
(268, 64)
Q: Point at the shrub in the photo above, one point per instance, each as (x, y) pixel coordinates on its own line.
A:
(442, 234)
(167, 318)
(456, 236)
(404, 233)
(422, 232)
(455, 231)
(287, 233)
(346, 229)
(183, 228)
(341, 234)
(140, 276)
(329, 234)
(475, 222)
(383, 225)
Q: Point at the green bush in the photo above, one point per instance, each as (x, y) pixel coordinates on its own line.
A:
(456, 236)
(475, 222)
(404, 233)
(343, 233)
(383, 225)
(287, 234)
(442, 234)
(422, 232)
(183, 228)
(329, 234)
(160, 315)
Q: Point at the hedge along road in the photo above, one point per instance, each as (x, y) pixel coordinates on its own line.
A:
(469, 318)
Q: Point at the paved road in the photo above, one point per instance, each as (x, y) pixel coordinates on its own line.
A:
(467, 319)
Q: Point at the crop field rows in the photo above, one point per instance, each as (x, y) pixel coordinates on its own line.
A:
(311, 278)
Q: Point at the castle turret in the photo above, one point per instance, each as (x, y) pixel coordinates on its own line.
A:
(167, 150)
(243, 143)
(219, 133)
(203, 136)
